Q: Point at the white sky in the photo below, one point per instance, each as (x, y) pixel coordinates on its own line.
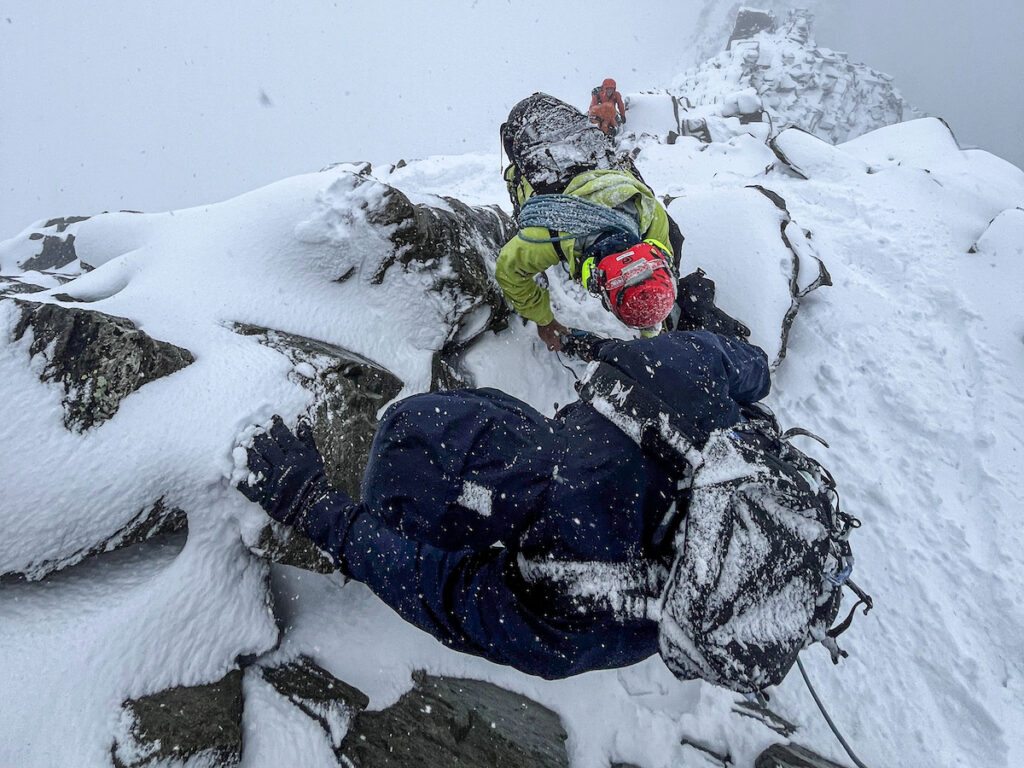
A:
(151, 105)
(959, 60)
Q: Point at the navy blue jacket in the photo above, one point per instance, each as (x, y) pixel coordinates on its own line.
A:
(523, 539)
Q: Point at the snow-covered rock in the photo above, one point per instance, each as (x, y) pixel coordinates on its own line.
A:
(196, 726)
(761, 261)
(322, 297)
(773, 76)
(451, 721)
(97, 359)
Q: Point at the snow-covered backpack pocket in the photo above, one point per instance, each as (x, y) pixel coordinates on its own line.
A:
(760, 561)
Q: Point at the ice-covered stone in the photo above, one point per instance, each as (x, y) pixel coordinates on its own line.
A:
(454, 245)
(348, 392)
(792, 756)
(322, 697)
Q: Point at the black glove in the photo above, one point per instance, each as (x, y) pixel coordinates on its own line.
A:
(288, 470)
(581, 344)
(695, 298)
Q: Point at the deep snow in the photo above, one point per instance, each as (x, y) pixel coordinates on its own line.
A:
(909, 365)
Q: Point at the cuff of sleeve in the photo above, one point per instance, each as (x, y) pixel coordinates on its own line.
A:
(546, 319)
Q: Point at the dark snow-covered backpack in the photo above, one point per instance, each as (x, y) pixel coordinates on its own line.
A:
(551, 142)
(760, 560)
(761, 554)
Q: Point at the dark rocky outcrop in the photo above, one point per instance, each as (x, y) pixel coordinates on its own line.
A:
(348, 390)
(199, 724)
(463, 236)
(440, 722)
(99, 359)
(706, 755)
(750, 21)
(445, 722)
(15, 285)
(792, 756)
(57, 251)
(61, 223)
(766, 717)
(286, 546)
(320, 695)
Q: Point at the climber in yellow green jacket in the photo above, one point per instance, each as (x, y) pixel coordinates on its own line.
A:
(535, 248)
(579, 202)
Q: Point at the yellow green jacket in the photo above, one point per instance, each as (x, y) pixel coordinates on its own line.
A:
(520, 260)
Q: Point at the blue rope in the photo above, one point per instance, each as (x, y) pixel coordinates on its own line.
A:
(568, 213)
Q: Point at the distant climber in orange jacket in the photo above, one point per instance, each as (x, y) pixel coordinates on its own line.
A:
(606, 107)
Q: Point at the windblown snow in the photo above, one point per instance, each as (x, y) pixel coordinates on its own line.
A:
(909, 365)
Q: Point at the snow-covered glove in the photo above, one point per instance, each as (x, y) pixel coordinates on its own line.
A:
(695, 298)
(286, 469)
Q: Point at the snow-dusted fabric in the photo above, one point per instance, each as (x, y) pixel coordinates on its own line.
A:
(573, 500)
(748, 589)
(750, 583)
(454, 469)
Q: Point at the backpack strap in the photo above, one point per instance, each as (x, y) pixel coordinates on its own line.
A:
(557, 243)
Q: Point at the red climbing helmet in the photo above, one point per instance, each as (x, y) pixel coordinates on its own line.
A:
(636, 284)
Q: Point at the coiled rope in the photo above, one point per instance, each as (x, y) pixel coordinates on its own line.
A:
(568, 213)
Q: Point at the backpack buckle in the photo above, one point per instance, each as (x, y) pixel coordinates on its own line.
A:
(840, 578)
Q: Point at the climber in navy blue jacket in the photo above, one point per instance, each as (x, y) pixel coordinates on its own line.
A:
(530, 541)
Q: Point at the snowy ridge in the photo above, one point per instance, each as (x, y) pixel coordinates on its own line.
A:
(909, 365)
